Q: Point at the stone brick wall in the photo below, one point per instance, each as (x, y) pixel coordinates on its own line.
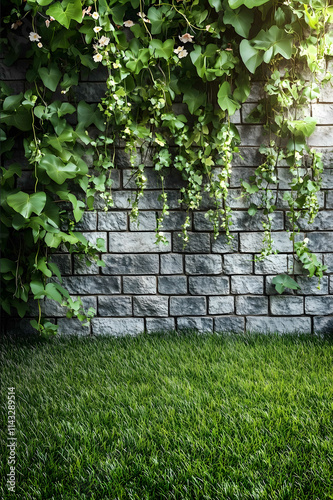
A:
(209, 285)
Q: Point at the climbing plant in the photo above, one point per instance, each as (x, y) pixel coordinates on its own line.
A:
(159, 56)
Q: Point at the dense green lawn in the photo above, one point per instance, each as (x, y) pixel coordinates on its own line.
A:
(166, 416)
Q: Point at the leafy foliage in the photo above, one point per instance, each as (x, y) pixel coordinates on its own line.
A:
(200, 54)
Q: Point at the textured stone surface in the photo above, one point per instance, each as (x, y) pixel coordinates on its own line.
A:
(242, 221)
(309, 286)
(83, 265)
(172, 263)
(221, 244)
(286, 305)
(320, 242)
(64, 263)
(172, 285)
(184, 306)
(112, 221)
(253, 242)
(323, 325)
(115, 306)
(237, 264)
(91, 285)
(138, 285)
(265, 324)
(117, 326)
(146, 222)
(320, 306)
(160, 325)
(130, 264)
(247, 285)
(72, 326)
(203, 264)
(137, 242)
(209, 285)
(229, 324)
(274, 264)
(221, 305)
(247, 304)
(202, 325)
(198, 243)
(150, 306)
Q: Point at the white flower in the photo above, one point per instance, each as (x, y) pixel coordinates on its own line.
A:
(182, 53)
(95, 15)
(39, 45)
(160, 143)
(116, 65)
(115, 97)
(47, 22)
(298, 156)
(306, 240)
(97, 29)
(128, 24)
(186, 38)
(98, 57)
(52, 18)
(33, 37)
(127, 130)
(178, 49)
(207, 27)
(103, 41)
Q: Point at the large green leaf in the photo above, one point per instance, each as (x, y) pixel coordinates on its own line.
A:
(58, 171)
(252, 58)
(87, 114)
(274, 41)
(157, 18)
(161, 49)
(240, 19)
(194, 99)
(65, 11)
(302, 128)
(50, 76)
(250, 4)
(225, 100)
(26, 204)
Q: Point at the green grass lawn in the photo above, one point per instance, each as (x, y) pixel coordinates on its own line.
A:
(167, 416)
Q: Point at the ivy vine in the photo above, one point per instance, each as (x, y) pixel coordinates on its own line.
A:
(202, 55)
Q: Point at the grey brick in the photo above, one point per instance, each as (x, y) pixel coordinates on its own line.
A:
(221, 245)
(327, 177)
(63, 261)
(137, 242)
(90, 93)
(51, 308)
(160, 324)
(319, 305)
(247, 284)
(265, 324)
(183, 306)
(72, 326)
(150, 306)
(88, 222)
(137, 285)
(221, 305)
(172, 285)
(114, 306)
(81, 265)
(322, 113)
(229, 324)
(273, 264)
(117, 326)
(242, 221)
(26, 181)
(146, 222)
(239, 174)
(253, 242)
(112, 221)
(151, 200)
(153, 179)
(88, 285)
(253, 135)
(202, 325)
(247, 157)
(201, 223)
(322, 136)
(198, 243)
(237, 264)
(203, 264)
(296, 266)
(247, 304)
(174, 221)
(209, 285)
(320, 242)
(270, 288)
(130, 264)
(328, 261)
(322, 222)
(323, 325)
(329, 199)
(15, 72)
(172, 263)
(309, 286)
(286, 305)
(92, 237)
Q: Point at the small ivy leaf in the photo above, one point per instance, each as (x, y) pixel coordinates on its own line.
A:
(252, 209)
(26, 204)
(252, 58)
(283, 281)
(225, 100)
(65, 11)
(240, 19)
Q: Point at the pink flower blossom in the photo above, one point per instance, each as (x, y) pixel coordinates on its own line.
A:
(186, 38)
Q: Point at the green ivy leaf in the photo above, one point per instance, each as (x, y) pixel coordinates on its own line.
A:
(302, 128)
(194, 99)
(87, 114)
(240, 19)
(252, 58)
(65, 11)
(56, 169)
(50, 76)
(26, 204)
(250, 4)
(283, 281)
(274, 41)
(225, 100)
